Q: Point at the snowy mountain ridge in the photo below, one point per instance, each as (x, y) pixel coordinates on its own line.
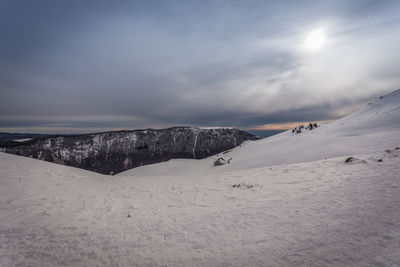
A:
(113, 152)
(383, 112)
(372, 128)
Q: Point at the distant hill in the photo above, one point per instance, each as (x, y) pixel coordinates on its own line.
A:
(265, 133)
(16, 136)
(113, 152)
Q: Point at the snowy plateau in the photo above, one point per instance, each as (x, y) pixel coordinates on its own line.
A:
(325, 197)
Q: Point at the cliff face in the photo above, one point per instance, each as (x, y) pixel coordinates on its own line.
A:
(114, 152)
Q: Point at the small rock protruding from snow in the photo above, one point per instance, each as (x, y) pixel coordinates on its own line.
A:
(354, 160)
(222, 161)
(247, 185)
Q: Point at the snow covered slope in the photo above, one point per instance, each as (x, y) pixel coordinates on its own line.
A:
(324, 213)
(381, 115)
(373, 128)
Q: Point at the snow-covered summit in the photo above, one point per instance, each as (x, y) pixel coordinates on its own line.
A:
(374, 127)
(382, 114)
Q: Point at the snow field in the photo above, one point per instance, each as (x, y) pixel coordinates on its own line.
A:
(319, 213)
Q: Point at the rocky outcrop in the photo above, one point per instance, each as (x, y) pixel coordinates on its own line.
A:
(114, 152)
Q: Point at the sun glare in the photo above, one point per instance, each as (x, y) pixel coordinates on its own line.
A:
(315, 40)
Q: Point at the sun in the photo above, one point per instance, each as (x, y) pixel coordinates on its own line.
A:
(315, 40)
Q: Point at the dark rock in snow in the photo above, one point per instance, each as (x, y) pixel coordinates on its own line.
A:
(114, 152)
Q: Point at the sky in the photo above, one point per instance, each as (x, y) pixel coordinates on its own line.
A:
(84, 66)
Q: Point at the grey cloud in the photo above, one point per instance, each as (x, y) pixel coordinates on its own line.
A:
(94, 64)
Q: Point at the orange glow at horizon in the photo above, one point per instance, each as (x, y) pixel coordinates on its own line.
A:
(283, 126)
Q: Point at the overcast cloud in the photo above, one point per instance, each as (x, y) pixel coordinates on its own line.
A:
(78, 66)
